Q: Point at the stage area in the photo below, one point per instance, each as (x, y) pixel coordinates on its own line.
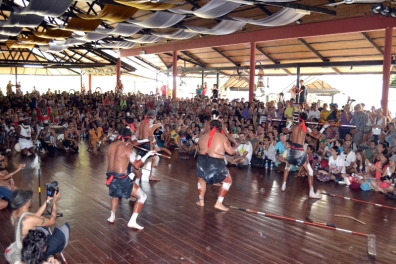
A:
(177, 231)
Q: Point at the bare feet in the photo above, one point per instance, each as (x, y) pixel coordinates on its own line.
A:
(167, 151)
(221, 207)
(135, 226)
(200, 203)
(153, 178)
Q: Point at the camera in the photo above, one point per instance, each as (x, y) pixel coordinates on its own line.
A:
(52, 188)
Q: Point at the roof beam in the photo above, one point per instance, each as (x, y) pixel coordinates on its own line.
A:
(267, 55)
(181, 58)
(341, 26)
(200, 63)
(313, 9)
(225, 56)
(372, 42)
(21, 63)
(168, 67)
(336, 70)
(148, 63)
(328, 64)
(306, 44)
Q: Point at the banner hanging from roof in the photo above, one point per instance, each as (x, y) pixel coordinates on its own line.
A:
(32, 39)
(160, 20)
(113, 13)
(92, 36)
(223, 28)
(118, 44)
(15, 20)
(149, 5)
(180, 34)
(79, 24)
(213, 9)
(122, 29)
(53, 34)
(146, 39)
(53, 8)
(280, 18)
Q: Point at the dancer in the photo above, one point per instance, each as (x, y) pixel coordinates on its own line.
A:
(146, 131)
(297, 155)
(120, 178)
(211, 166)
(25, 136)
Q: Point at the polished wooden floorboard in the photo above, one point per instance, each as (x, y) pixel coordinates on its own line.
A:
(177, 231)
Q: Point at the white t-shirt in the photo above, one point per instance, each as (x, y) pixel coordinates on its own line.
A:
(314, 114)
(270, 153)
(335, 164)
(348, 159)
(246, 147)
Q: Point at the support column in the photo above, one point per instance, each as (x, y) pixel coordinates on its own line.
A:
(16, 75)
(386, 69)
(218, 82)
(174, 72)
(90, 83)
(81, 80)
(298, 76)
(118, 69)
(252, 70)
(202, 78)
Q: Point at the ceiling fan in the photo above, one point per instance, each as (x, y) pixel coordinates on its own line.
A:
(349, 2)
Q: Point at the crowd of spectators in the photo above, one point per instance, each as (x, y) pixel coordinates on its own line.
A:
(357, 149)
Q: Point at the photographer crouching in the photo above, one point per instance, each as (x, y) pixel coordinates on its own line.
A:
(21, 201)
(7, 184)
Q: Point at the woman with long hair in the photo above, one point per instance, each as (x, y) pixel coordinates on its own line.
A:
(383, 181)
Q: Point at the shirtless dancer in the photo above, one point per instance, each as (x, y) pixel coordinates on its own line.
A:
(297, 155)
(120, 179)
(211, 166)
(146, 131)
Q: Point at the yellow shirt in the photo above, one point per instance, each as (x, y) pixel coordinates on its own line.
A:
(323, 116)
(289, 112)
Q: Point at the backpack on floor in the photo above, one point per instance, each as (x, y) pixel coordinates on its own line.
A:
(257, 162)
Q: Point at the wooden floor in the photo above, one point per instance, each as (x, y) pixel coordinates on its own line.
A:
(177, 231)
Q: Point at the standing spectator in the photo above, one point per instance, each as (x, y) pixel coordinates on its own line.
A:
(391, 134)
(358, 120)
(334, 113)
(379, 124)
(302, 93)
(199, 91)
(346, 117)
(163, 91)
(215, 91)
(204, 89)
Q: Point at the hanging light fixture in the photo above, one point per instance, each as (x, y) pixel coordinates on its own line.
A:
(260, 86)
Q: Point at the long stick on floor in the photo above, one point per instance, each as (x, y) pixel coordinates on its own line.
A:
(359, 201)
(371, 237)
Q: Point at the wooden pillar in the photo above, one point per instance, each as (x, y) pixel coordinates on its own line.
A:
(16, 75)
(218, 82)
(386, 69)
(202, 79)
(298, 76)
(174, 74)
(89, 82)
(252, 70)
(118, 70)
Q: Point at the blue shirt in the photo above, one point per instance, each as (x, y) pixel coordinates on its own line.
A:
(279, 146)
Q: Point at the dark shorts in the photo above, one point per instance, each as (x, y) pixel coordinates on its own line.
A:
(296, 156)
(58, 240)
(5, 193)
(120, 185)
(211, 170)
(143, 152)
